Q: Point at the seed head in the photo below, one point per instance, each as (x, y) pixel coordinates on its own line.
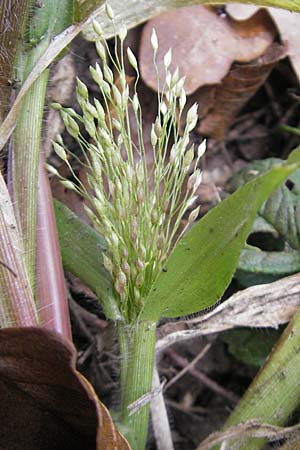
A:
(60, 151)
(153, 137)
(154, 40)
(132, 59)
(56, 106)
(109, 11)
(97, 28)
(107, 263)
(135, 103)
(201, 149)
(101, 50)
(108, 75)
(52, 170)
(122, 33)
(68, 184)
(82, 90)
(193, 215)
(168, 58)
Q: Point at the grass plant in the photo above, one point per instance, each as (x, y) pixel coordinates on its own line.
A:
(137, 209)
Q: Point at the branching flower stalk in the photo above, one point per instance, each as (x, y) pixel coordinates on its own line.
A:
(135, 208)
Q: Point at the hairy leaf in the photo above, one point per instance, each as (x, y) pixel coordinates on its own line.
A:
(274, 263)
(82, 254)
(202, 265)
(279, 217)
(282, 209)
(251, 346)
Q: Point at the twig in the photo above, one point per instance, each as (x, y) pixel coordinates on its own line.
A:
(188, 367)
(144, 399)
(251, 428)
(191, 410)
(208, 382)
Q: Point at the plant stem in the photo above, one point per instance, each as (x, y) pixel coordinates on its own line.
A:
(289, 129)
(275, 392)
(51, 290)
(137, 345)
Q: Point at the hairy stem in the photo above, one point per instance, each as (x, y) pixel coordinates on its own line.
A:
(137, 344)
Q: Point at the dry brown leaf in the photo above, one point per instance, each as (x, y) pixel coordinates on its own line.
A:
(241, 83)
(45, 403)
(108, 436)
(251, 428)
(288, 24)
(241, 12)
(254, 36)
(204, 44)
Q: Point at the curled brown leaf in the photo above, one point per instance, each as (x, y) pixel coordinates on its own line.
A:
(240, 84)
(45, 403)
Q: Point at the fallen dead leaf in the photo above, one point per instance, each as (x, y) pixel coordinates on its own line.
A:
(240, 84)
(288, 24)
(45, 403)
(253, 36)
(240, 11)
(108, 436)
(251, 428)
(205, 53)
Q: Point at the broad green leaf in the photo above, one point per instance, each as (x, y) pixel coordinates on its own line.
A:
(202, 265)
(138, 12)
(282, 209)
(282, 263)
(82, 254)
(278, 217)
(251, 346)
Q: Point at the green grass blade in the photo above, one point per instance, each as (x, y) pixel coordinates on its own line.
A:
(82, 254)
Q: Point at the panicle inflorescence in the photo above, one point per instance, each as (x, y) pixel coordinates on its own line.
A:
(135, 208)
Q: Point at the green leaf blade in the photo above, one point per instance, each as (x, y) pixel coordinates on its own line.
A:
(82, 254)
(201, 267)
